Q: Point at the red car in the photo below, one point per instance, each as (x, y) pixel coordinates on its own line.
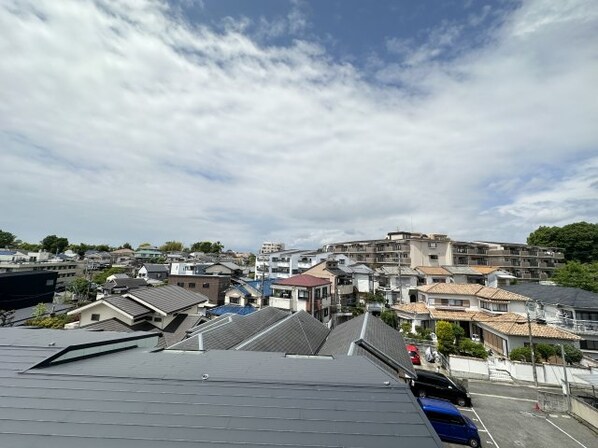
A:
(414, 355)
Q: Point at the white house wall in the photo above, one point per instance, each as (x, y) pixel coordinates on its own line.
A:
(105, 313)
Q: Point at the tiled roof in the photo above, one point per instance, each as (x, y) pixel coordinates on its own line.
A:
(371, 334)
(432, 270)
(484, 269)
(448, 315)
(462, 270)
(417, 307)
(167, 299)
(128, 306)
(232, 309)
(513, 324)
(304, 280)
(125, 282)
(115, 324)
(299, 334)
(394, 270)
(483, 292)
(155, 267)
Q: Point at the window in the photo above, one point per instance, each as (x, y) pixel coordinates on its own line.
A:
(191, 285)
(181, 284)
(325, 291)
(432, 245)
(95, 317)
(325, 312)
(49, 282)
(433, 257)
(157, 319)
(205, 285)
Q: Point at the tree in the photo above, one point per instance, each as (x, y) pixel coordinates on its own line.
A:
(39, 310)
(376, 297)
(7, 239)
(172, 246)
(545, 351)
(56, 322)
(578, 275)
(207, 247)
(572, 354)
(521, 354)
(390, 318)
(579, 240)
(145, 245)
(467, 347)
(446, 337)
(458, 332)
(101, 277)
(126, 246)
(29, 247)
(216, 247)
(54, 244)
(80, 248)
(81, 288)
(103, 248)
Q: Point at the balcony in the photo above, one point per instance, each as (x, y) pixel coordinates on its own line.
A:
(344, 290)
(587, 327)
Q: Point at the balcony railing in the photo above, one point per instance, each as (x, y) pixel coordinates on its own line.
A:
(578, 326)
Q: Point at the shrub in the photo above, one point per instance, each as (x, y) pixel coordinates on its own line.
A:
(545, 351)
(572, 354)
(521, 354)
(468, 347)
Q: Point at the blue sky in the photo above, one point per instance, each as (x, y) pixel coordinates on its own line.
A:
(305, 122)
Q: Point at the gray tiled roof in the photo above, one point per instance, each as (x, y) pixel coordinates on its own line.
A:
(371, 334)
(299, 333)
(462, 270)
(155, 267)
(116, 325)
(227, 336)
(168, 299)
(139, 399)
(125, 283)
(127, 305)
(573, 297)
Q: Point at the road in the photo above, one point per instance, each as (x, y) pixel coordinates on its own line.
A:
(506, 417)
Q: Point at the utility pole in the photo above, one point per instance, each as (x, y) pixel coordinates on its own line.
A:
(567, 390)
(531, 344)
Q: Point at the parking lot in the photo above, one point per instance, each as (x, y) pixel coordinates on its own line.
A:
(506, 417)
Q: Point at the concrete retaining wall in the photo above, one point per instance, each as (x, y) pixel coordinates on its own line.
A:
(464, 367)
(584, 411)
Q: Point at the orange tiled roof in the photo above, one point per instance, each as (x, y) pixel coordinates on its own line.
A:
(484, 269)
(417, 307)
(457, 315)
(451, 288)
(514, 324)
(433, 270)
(500, 294)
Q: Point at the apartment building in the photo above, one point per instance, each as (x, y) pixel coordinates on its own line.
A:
(268, 247)
(286, 263)
(414, 249)
(532, 263)
(19, 261)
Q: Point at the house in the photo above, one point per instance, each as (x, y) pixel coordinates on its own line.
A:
(212, 286)
(341, 281)
(398, 284)
(433, 274)
(286, 263)
(153, 271)
(249, 292)
(97, 259)
(127, 394)
(363, 278)
(224, 268)
(122, 285)
(147, 254)
(160, 306)
(495, 316)
(303, 292)
(122, 256)
(571, 309)
(368, 336)
(40, 261)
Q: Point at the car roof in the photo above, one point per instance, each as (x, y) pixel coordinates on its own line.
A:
(430, 374)
(412, 347)
(432, 404)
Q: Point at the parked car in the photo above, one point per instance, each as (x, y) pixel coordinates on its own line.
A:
(449, 423)
(414, 355)
(433, 384)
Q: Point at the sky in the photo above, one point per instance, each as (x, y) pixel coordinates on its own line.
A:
(304, 122)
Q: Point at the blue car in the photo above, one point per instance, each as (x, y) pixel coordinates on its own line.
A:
(449, 423)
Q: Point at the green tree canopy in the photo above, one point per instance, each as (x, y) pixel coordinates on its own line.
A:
(30, 247)
(101, 277)
(126, 246)
(171, 246)
(81, 288)
(207, 247)
(54, 244)
(446, 337)
(7, 239)
(579, 240)
(578, 275)
(390, 318)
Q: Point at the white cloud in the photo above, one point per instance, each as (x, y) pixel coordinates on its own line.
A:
(121, 123)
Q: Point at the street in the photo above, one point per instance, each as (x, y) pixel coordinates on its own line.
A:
(506, 417)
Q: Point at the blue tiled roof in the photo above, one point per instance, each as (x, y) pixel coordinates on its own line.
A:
(7, 252)
(232, 309)
(257, 284)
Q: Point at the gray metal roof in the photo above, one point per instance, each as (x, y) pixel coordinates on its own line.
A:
(127, 305)
(155, 267)
(115, 324)
(573, 297)
(394, 270)
(137, 399)
(299, 333)
(125, 283)
(373, 336)
(168, 299)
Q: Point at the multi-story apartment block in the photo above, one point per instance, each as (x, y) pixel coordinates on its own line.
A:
(525, 262)
(19, 261)
(268, 247)
(410, 249)
(303, 292)
(286, 263)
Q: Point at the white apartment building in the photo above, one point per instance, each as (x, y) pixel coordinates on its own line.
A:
(268, 247)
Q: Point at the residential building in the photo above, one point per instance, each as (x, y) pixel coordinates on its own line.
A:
(159, 306)
(255, 293)
(66, 270)
(26, 289)
(411, 249)
(268, 247)
(525, 262)
(128, 394)
(398, 284)
(153, 271)
(224, 268)
(303, 292)
(147, 254)
(433, 274)
(97, 259)
(122, 256)
(285, 264)
(122, 285)
(496, 316)
(571, 309)
(212, 286)
(341, 280)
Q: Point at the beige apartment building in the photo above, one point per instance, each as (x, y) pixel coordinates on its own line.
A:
(413, 249)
